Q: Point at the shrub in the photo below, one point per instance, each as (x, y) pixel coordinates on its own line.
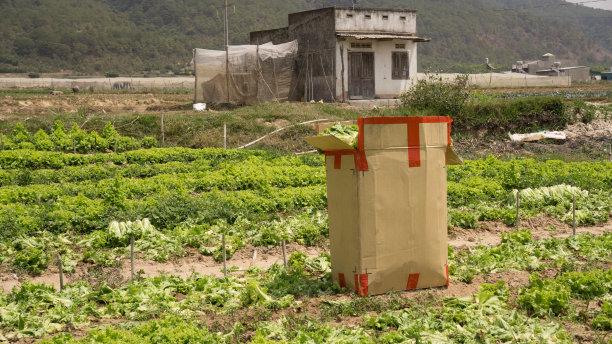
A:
(148, 142)
(33, 75)
(111, 74)
(439, 97)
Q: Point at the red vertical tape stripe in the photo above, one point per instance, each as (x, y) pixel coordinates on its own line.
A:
(341, 280)
(447, 277)
(413, 281)
(361, 284)
(414, 144)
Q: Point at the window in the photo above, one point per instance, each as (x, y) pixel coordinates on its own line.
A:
(368, 16)
(349, 15)
(403, 18)
(400, 46)
(399, 70)
(358, 45)
(385, 17)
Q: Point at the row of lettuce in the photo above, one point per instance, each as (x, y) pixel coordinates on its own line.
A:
(82, 193)
(32, 310)
(73, 140)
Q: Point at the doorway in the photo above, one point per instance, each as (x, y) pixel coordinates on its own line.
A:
(361, 75)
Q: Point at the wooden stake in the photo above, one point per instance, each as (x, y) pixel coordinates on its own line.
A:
(95, 143)
(132, 256)
(116, 143)
(574, 214)
(73, 146)
(518, 202)
(224, 135)
(162, 129)
(284, 254)
(61, 271)
(224, 257)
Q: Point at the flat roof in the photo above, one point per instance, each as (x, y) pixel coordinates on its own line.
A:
(357, 9)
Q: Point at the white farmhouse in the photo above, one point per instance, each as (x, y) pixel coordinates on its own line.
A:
(350, 53)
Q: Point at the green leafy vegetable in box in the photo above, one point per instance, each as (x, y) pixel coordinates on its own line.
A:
(346, 133)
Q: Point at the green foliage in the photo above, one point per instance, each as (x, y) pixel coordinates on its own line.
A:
(148, 142)
(346, 133)
(437, 97)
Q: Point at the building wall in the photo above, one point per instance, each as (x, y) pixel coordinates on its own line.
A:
(276, 36)
(384, 85)
(357, 20)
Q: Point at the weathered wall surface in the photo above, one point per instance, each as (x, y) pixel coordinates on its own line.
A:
(384, 86)
(498, 80)
(381, 20)
(276, 36)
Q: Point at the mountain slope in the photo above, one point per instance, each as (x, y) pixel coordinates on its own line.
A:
(135, 35)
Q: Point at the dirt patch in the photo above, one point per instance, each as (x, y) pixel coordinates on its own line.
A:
(489, 233)
(184, 267)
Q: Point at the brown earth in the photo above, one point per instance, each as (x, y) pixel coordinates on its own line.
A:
(488, 233)
(101, 103)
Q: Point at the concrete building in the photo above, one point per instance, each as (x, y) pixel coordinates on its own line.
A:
(548, 65)
(350, 53)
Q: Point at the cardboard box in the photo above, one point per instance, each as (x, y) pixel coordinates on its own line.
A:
(387, 204)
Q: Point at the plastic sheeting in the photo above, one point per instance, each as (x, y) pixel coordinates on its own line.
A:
(257, 73)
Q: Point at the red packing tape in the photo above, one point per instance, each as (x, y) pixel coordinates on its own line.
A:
(361, 284)
(341, 279)
(413, 281)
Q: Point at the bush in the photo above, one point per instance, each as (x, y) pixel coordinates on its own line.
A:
(440, 98)
(111, 74)
(33, 75)
(148, 142)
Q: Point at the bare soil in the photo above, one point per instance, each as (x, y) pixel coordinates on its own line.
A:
(488, 233)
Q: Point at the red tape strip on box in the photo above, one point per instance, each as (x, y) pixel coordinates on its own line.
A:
(338, 157)
(413, 132)
(341, 280)
(361, 284)
(413, 281)
(447, 277)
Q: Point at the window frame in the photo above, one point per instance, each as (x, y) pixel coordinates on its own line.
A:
(399, 70)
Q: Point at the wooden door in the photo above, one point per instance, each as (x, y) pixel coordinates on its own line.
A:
(361, 75)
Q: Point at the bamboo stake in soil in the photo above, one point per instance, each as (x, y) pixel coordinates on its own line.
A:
(61, 271)
(574, 214)
(162, 129)
(224, 257)
(132, 257)
(284, 254)
(224, 135)
(518, 202)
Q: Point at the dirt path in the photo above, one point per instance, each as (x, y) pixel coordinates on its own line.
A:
(488, 234)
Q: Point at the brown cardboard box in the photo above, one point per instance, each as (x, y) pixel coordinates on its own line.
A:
(387, 204)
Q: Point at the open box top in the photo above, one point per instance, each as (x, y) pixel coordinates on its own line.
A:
(330, 143)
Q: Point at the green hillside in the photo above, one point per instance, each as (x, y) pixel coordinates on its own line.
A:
(97, 36)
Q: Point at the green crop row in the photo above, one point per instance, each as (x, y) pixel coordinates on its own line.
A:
(249, 175)
(73, 140)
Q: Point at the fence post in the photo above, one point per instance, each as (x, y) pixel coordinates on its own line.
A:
(132, 257)
(224, 135)
(518, 202)
(284, 254)
(162, 129)
(224, 257)
(61, 271)
(574, 214)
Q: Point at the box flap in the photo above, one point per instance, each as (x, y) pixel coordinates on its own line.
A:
(452, 158)
(328, 143)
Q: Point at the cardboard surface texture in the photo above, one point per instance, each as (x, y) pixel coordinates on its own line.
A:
(387, 204)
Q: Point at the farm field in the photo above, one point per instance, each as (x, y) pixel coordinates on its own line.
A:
(526, 282)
